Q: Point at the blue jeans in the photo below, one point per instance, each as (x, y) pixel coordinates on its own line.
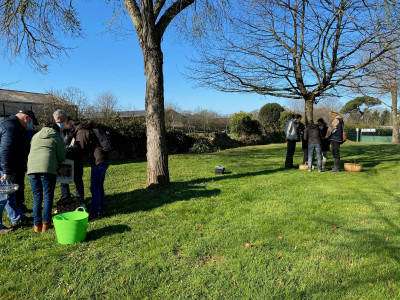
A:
(8, 201)
(317, 148)
(97, 177)
(42, 185)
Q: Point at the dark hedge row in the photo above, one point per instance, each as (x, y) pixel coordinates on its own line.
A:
(129, 140)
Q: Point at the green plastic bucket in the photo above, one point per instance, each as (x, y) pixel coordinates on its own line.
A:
(71, 226)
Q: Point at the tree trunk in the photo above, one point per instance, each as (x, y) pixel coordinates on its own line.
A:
(395, 123)
(309, 113)
(157, 156)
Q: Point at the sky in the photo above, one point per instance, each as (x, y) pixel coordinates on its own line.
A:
(101, 63)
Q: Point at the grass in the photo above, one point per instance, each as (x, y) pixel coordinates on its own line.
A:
(258, 232)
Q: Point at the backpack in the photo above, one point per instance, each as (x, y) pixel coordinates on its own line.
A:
(104, 138)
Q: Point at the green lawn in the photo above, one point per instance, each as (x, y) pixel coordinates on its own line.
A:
(258, 232)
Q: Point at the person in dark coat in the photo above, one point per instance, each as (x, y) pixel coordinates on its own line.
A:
(335, 136)
(67, 131)
(313, 135)
(14, 149)
(325, 143)
(99, 163)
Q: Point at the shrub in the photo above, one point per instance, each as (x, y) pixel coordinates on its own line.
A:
(202, 145)
(178, 142)
(269, 116)
(221, 141)
(242, 124)
(253, 139)
(276, 137)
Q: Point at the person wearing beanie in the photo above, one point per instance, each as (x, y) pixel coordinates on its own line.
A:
(325, 143)
(291, 137)
(335, 135)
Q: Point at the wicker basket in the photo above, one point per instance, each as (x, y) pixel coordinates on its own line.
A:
(352, 167)
(305, 167)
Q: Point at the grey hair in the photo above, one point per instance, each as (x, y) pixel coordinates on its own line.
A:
(59, 113)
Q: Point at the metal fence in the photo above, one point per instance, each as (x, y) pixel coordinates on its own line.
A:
(370, 135)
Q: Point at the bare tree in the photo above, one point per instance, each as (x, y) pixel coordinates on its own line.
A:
(105, 105)
(150, 19)
(34, 29)
(77, 97)
(292, 48)
(150, 25)
(383, 79)
(51, 103)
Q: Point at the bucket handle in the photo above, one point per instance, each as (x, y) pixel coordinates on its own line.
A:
(80, 208)
(60, 217)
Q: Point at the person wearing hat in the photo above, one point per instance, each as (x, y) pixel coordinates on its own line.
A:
(14, 149)
(20, 176)
(335, 135)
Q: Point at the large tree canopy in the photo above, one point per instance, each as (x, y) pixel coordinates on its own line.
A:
(359, 105)
(293, 49)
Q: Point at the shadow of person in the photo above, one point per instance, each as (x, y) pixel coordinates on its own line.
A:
(106, 231)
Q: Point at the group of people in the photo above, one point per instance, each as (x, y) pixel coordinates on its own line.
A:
(22, 150)
(317, 138)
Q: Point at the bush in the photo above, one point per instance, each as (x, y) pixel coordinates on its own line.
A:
(178, 142)
(269, 116)
(242, 124)
(253, 139)
(128, 136)
(202, 145)
(276, 137)
(221, 141)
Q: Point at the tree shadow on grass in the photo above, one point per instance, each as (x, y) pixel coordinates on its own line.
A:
(148, 199)
(106, 231)
(370, 155)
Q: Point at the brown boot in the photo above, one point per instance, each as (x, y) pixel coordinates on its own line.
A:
(37, 228)
(47, 226)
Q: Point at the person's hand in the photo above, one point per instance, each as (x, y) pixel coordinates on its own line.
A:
(5, 177)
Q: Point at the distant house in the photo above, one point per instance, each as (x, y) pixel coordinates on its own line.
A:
(11, 102)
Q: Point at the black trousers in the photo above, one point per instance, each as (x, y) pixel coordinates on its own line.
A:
(335, 149)
(291, 148)
(20, 193)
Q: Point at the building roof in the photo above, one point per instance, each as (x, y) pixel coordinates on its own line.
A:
(24, 97)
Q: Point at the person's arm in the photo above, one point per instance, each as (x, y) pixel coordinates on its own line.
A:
(82, 141)
(7, 145)
(61, 153)
(305, 136)
(335, 122)
(287, 129)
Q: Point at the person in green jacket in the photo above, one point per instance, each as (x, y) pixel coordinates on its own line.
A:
(47, 150)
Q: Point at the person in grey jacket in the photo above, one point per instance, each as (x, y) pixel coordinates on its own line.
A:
(291, 137)
(313, 134)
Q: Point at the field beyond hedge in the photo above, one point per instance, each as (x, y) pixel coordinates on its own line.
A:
(257, 232)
